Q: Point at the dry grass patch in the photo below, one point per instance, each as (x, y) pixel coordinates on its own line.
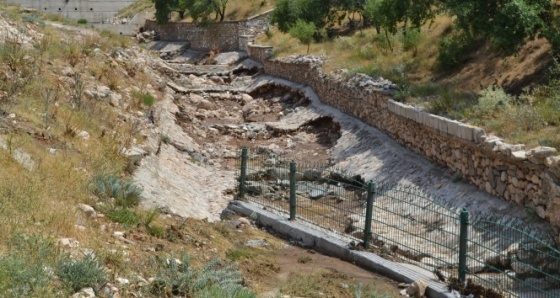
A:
(242, 9)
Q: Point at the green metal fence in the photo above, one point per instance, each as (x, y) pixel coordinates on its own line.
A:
(492, 255)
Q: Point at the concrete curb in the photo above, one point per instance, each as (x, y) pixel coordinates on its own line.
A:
(329, 245)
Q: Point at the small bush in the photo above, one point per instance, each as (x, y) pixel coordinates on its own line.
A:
(385, 42)
(125, 192)
(165, 139)
(268, 33)
(443, 104)
(148, 99)
(156, 231)
(82, 21)
(411, 39)
(25, 270)
(491, 100)
(79, 274)
(124, 216)
(360, 292)
(148, 222)
(214, 280)
(30, 18)
(238, 254)
(145, 98)
(452, 51)
(366, 51)
(304, 31)
(526, 117)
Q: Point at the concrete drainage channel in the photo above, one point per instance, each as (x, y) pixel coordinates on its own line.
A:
(231, 104)
(307, 236)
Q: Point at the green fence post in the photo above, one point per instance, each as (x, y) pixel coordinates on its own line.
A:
(463, 241)
(292, 190)
(369, 214)
(243, 175)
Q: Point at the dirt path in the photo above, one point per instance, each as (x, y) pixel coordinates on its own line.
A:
(297, 263)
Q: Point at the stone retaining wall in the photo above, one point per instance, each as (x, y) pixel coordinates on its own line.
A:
(227, 36)
(529, 178)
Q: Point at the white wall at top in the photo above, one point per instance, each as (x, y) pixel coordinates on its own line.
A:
(95, 11)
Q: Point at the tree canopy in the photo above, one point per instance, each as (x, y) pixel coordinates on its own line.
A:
(506, 24)
(201, 11)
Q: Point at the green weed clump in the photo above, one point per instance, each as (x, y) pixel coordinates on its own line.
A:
(125, 216)
(492, 100)
(238, 254)
(27, 269)
(179, 278)
(144, 97)
(126, 193)
(79, 274)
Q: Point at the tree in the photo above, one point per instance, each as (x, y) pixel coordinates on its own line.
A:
(506, 23)
(288, 12)
(390, 14)
(202, 11)
(304, 31)
(163, 9)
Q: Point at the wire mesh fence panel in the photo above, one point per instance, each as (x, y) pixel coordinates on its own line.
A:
(500, 256)
(415, 228)
(267, 180)
(330, 199)
(514, 261)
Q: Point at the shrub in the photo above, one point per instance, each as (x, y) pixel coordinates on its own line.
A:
(123, 216)
(148, 99)
(82, 21)
(443, 104)
(125, 192)
(178, 278)
(491, 100)
(304, 31)
(145, 98)
(25, 271)
(79, 274)
(237, 254)
(526, 117)
(366, 51)
(410, 39)
(452, 50)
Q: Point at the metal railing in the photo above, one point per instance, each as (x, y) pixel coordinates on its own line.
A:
(484, 255)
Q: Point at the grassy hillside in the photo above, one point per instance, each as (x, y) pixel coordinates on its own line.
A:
(411, 60)
(72, 101)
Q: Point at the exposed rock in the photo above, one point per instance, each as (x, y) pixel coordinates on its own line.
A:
(67, 243)
(541, 212)
(256, 243)
(244, 221)
(318, 193)
(417, 289)
(115, 99)
(88, 210)
(122, 281)
(85, 293)
(541, 152)
(83, 134)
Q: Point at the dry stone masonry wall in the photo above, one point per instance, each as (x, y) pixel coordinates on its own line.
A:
(530, 178)
(226, 36)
